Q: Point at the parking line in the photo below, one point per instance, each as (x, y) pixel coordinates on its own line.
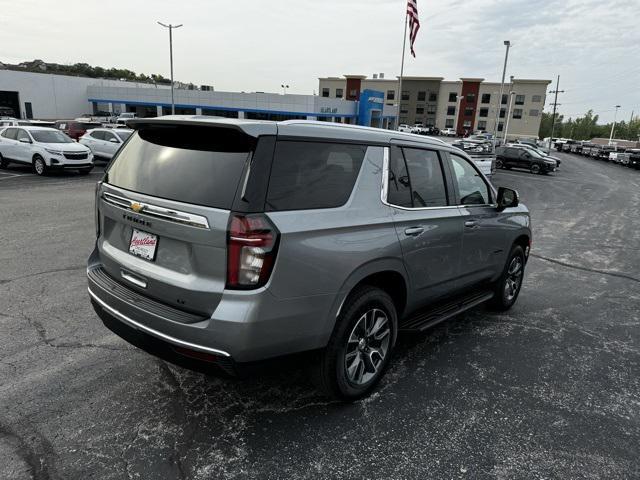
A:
(10, 175)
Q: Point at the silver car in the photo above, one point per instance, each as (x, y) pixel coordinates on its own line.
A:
(221, 242)
(105, 142)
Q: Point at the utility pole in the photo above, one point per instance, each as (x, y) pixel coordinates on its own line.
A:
(171, 27)
(555, 104)
(507, 44)
(613, 127)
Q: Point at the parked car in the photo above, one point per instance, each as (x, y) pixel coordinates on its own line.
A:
(634, 158)
(125, 117)
(617, 155)
(448, 132)
(14, 122)
(403, 127)
(433, 131)
(105, 142)
(205, 262)
(577, 147)
(586, 148)
(481, 152)
(75, 129)
(419, 129)
(45, 149)
(566, 146)
(514, 157)
(604, 151)
(538, 151)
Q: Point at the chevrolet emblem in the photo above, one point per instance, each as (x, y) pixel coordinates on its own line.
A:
(137, 207)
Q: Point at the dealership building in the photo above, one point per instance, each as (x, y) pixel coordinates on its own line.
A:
(48, 96)
(467, 104)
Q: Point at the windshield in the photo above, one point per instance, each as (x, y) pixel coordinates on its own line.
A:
(50, 136)
(123, 135)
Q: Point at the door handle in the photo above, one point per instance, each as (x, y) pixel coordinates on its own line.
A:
(470, 223)
(413, 231)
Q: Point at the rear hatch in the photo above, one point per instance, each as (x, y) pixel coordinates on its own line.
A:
(164, 208)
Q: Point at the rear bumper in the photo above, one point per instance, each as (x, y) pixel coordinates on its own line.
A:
(246, 326)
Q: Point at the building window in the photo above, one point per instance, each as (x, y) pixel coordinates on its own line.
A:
(422, 96)
(433, 97)
(534, 113)
(451, 110)
(486, 98)
(403, 120)
(325, 92)
(430, 122)
(517, 113)
(453, 96)
(468, 111)
(431, 109)
(503, 111)
(482, 125)
(467, 124)
(391, 94)
(504, 98)
(471, 98)
(448, 123)
(339, 93)
(404, 109)
(484, 112)
(519, 99)
(500, 126)
(419, 110)
(536, 98)
(405, 95)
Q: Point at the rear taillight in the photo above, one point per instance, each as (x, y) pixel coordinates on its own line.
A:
(252, 243)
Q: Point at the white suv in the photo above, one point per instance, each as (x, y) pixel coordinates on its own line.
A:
(44, 148)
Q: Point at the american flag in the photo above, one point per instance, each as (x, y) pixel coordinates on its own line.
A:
(414, 23)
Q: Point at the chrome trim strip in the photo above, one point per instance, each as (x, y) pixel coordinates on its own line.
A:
(156, 211)
(163, 336)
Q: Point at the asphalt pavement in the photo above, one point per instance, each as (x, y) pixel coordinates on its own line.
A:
(550, 389)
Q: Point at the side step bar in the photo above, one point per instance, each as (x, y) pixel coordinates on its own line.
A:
(425, 319)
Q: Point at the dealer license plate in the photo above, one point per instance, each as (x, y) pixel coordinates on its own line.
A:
(143, 244)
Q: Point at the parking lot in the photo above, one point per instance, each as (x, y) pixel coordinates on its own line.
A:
(548, 390)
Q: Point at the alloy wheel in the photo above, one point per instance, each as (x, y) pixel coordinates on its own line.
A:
(367, 346)
(39, 166)
(513, 282)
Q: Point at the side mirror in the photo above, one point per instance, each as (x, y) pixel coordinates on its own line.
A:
(507, 198)
(113, 140)
(24, 140)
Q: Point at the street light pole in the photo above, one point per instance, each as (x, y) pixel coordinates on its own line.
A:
(506, 126)
(171, 27)
(507, 44)
(613, 127)
(555, 104)
(458, 105)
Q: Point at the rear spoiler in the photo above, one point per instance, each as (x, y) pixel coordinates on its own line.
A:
(253, 128)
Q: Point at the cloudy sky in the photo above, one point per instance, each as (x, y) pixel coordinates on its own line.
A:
(256, 45)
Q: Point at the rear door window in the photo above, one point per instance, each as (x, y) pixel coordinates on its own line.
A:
(191, 164)
(99, 135)
(427, 180)
(308, 175)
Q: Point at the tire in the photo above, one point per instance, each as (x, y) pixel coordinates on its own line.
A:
(499, 163)
(508, 286)
(39, 165)
(360, 347)
(535, 169)
(3, 163)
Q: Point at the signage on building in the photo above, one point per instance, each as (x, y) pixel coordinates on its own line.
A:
(375, 99)
(328, 110)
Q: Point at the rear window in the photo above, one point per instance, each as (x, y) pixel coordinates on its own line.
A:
(307, 175)
(191, 164)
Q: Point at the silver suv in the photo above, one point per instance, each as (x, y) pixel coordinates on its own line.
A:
(223, 242)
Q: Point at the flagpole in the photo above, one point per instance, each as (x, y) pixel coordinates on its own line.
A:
(404, 44)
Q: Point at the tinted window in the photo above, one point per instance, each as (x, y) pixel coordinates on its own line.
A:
(200, 165)
(399, 187)
(427, 180)
(123, 135)
(98, 135)
(10, 133)
(308, 175)
(471, 187)
(50, 136)
(108, 136)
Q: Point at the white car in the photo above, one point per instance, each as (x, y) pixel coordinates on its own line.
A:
(44, 148)
(105, 142)
(124, 117)
(448, 132)
(403, 127)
